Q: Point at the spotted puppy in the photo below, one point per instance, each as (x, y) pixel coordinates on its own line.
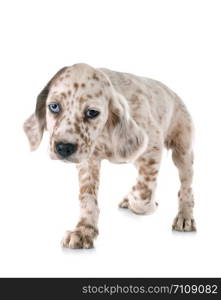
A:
(94, 114)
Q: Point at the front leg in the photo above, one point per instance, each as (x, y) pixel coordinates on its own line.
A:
(86, 229)
(140, 199)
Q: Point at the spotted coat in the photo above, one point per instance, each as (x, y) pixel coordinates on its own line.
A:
(137, 117)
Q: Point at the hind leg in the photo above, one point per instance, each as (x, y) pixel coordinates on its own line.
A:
(140, 199)
(184, 220)
(179, 139)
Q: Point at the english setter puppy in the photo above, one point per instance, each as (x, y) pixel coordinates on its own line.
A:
(94, 114)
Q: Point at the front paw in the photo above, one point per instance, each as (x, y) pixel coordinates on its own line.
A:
(82, 237)
(183, 223)
(77, 240)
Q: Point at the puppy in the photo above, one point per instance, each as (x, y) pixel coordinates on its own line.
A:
(94, 114)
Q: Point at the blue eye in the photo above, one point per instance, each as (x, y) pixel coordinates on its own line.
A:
(54, 108)
(91, 114)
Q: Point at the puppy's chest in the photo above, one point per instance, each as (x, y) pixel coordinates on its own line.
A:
(105, 150)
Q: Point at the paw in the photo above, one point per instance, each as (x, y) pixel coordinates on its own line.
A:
(77, 240)
(142, 207)
(138, 206)
(183, 223)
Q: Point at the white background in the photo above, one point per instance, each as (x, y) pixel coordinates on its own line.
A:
(176, 42)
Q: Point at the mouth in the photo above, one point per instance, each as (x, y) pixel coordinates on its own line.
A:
(70, 160)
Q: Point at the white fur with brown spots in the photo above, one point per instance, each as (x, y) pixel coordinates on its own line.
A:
(137, 118)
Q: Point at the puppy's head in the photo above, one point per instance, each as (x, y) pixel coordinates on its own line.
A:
(76, 105)
(73, 108)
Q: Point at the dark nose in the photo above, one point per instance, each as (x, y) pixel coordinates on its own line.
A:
(65, 149)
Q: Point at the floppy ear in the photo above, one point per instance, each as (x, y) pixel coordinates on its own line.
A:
(34, 126)
(128, 139)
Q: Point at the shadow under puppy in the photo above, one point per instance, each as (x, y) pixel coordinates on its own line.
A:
(94, 114)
